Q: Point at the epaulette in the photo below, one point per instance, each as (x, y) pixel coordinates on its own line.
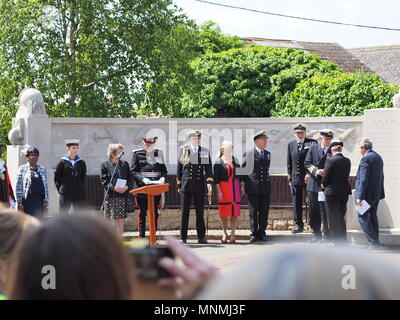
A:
(137, 150)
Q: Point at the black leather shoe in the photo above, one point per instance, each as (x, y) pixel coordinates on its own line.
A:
(202, 241)
(183, 240)
(315, 239)
(298, 229)
(263, 238)
(253, 239)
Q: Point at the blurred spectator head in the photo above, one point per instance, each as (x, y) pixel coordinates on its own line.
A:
(13, 225)
(302, 273)
(87, 257)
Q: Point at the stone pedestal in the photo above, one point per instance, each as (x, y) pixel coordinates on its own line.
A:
(37, 133)
(382, 127)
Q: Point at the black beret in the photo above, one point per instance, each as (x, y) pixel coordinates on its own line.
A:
(336, 143)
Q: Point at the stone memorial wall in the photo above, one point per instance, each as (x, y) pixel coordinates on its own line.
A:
(32, 126)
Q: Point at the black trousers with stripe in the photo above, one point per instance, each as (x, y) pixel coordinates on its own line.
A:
(198, 200)
(258, 212)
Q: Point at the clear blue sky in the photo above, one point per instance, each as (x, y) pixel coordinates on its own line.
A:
(384, 13)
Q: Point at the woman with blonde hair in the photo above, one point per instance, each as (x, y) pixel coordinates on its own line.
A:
(13, 225)
(116, 196)
(228, 189)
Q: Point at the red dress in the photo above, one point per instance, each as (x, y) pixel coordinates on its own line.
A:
(229, 205)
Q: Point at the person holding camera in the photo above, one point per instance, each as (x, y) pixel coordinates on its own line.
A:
(116, 197)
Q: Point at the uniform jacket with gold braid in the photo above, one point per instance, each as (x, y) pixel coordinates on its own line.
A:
(295, 161)
(194, 171)
(257, 181)
(150, 165)
(315, 160)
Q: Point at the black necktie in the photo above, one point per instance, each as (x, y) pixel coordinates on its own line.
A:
(262, 154)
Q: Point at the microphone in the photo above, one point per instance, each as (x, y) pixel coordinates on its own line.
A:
(120, 155)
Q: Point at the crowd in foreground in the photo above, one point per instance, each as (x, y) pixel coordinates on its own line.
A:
(91, 262)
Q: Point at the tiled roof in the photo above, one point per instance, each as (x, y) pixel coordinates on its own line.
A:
(384, 61)
(327, 51)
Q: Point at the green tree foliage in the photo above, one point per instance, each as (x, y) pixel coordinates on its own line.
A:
(248, 82)
(165, 92)
(92, 58)
(336, 95)
(212, 40)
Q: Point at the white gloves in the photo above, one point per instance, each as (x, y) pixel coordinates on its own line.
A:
(147, 181)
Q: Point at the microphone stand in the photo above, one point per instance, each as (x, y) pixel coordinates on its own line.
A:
(109, 185)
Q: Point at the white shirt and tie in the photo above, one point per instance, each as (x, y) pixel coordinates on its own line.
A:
(194, 149)
(260, 151)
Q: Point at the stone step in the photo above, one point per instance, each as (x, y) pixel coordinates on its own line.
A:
(217, 235)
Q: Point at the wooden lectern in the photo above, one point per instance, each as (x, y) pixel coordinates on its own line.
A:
(151, 191)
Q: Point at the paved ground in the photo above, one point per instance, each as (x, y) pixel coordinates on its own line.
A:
(227, 256)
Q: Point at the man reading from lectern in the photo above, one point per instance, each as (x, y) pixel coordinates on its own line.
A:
(147, 167)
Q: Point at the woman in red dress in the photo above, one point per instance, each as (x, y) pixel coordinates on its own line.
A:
(227, 184)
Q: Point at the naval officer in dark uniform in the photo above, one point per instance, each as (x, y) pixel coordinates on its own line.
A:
(70, 178)
(147, 167)
(257, 184)
(194, 171)
(296, 154)
(336, 186)
(314, 164)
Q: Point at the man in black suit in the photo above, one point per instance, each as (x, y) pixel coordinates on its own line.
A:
(296, 154)
(336, 186)
(257, 184)
(193, 172)
(314, 164)
(369, 187)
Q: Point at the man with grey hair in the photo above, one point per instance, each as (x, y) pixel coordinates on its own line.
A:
(369, 187)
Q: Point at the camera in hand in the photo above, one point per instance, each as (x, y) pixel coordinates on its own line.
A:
(146, 261)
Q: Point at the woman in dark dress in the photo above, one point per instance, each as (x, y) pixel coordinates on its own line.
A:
(227, 183)
(116, 200)
(6, 192)
(32, 187)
